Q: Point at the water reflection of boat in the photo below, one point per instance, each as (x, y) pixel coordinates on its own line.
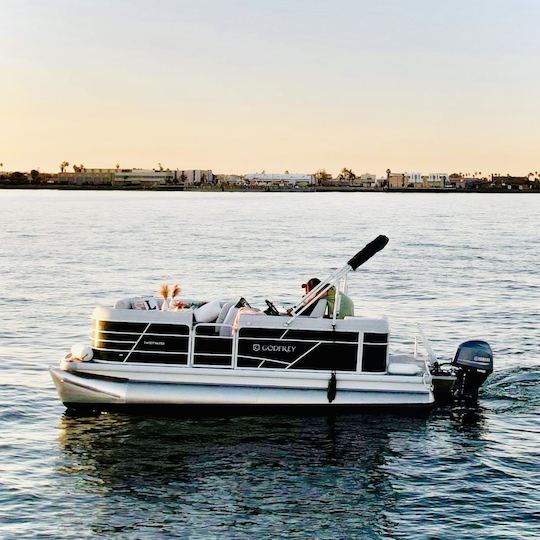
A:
(206, 471)
(221, 354)
(358, 475)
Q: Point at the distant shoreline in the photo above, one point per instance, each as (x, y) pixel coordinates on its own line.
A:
(206, 189)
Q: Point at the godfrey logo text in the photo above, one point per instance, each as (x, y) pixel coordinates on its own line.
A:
(274, 348)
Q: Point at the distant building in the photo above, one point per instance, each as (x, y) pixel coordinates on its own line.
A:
(366, 180)
(476, 183)
(285, 179)
(91, 177)
(467, 182)
(398, 180)
(437, 180)
(235, 179)
(142, 177)
(516, 183)
(194, 176)
(417, 180)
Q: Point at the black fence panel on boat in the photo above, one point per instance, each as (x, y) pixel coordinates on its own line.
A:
(212, 351)
(337, 357)
(316, 350)
(374, 358)
(141, 342)
(374, 352)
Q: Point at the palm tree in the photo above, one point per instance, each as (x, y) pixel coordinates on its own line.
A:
(321, 176)
(117, 166)
(346, 175)
(63, 166)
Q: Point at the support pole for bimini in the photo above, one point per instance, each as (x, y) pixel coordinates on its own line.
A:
(358, 260)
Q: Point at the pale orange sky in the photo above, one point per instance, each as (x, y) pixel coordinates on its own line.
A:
(240, 85)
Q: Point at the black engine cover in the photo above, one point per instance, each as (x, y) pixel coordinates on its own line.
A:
(474, 363)
(475, 354)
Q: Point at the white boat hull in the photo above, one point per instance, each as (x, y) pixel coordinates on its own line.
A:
(98, 384)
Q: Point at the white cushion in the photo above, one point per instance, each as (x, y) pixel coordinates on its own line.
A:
(396, 368)
(208, 313)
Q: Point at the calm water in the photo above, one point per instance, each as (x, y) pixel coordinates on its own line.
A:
(462, 265)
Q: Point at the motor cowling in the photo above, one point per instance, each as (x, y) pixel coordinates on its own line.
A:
(473, 364)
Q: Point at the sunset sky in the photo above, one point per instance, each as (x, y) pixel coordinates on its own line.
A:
(247, 85)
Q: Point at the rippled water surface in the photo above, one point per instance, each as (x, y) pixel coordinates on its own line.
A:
(463, 265)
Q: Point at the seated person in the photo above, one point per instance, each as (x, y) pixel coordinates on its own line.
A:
(346, 305)
(316, 308)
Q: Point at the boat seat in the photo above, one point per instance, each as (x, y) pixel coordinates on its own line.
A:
(226, 331)
(319, 309)
(224, 310)
(124, 303)
(139, 302)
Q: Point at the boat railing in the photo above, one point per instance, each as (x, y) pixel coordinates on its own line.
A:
(430, 357)
(208, 347)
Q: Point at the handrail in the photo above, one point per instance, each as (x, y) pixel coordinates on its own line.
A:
(431, 354)
(195, 334)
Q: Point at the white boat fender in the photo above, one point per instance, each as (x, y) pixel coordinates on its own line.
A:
(397, 368)
(332, 388)
(82, 352)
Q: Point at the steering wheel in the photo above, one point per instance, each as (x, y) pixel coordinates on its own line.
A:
(272, 310)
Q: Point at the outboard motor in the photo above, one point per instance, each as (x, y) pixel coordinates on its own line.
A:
(473, 364)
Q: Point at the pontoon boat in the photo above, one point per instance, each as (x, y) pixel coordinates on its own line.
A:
(223, 353)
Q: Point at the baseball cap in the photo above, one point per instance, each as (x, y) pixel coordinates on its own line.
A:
(311, 283)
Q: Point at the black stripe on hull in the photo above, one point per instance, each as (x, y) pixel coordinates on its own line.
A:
(313, 335)
(147, 343)
(139, 327)
(141, 357)
(375, 338)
